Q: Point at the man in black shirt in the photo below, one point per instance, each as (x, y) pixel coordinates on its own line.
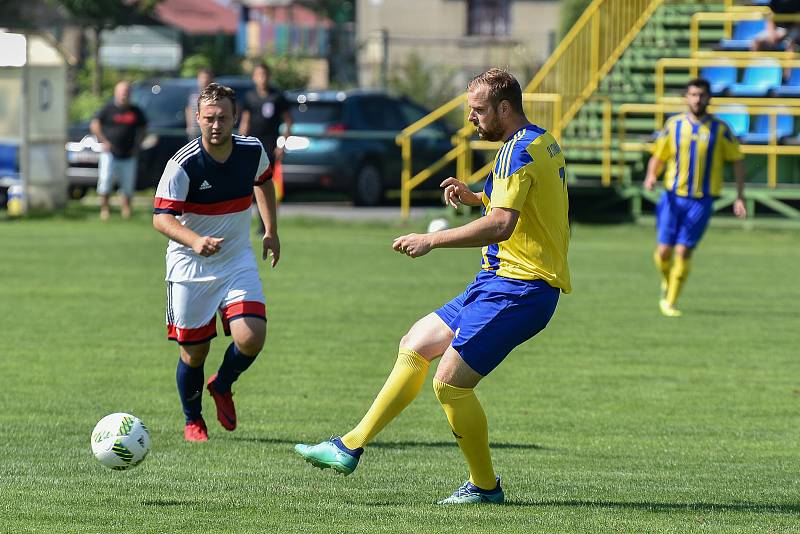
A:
(263, 111)
(120, 127)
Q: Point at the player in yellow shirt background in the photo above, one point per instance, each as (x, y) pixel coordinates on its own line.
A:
(524, 235)
(695, 146)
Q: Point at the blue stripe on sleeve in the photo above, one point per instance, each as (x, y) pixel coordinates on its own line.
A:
(712, 139)
(678, 125)
(692, 157)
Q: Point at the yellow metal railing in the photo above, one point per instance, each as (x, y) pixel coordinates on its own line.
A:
(692, 64)
(741, 13)
(541, 108)
(590, 49)
(772, 149)
(605, 140)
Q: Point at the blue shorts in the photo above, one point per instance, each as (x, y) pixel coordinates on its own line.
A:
(494, 315)
(682, 220)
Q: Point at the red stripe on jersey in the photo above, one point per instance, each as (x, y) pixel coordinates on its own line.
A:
(167, 204)
(219, 208)
(266, 175)
(192, 335)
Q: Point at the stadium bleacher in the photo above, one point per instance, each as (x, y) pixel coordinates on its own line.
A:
(720, 78)
(759, 79)
(760, 133)
(743, 34)
(737, 118)
(791, 88)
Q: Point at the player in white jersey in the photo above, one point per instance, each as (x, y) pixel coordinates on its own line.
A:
(203, 205)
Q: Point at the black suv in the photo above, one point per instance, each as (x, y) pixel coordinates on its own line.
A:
(163, 102)
(345, 141)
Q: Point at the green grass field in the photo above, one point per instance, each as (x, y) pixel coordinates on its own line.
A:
(614, 419)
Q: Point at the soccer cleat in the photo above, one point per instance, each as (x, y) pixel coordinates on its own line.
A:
(226, 411)
(195, 431)
(668, 310)
(331, 453)
(469, 493)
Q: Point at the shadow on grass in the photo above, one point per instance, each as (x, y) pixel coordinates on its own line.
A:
(402, 444)
(670, 507)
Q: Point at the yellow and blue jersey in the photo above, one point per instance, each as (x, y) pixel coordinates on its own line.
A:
(695, 153)
(529, 176)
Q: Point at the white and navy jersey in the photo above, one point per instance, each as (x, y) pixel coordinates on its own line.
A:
(212, 199)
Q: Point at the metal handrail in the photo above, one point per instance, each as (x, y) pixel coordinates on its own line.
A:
(590, 49)
(772, 150)
(693, 63)
(728, 17)
(463, 145)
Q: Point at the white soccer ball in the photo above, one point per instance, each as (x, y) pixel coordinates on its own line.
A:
(437, 225)
(120, 441)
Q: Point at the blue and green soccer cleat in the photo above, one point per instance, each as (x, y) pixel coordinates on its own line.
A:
(469, 493)
(331, 453)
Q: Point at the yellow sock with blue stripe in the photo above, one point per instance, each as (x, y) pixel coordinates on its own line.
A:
(468, 422)
(663, 267)
(677, 277)
(400, 389)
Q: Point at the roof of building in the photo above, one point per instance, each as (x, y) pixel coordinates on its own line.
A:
(198, 16)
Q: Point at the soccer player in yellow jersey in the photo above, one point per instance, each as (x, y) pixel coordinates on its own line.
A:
(695, 146)
(524, 234)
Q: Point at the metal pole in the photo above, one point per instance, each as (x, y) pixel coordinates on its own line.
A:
(384, 58)
(24, 148)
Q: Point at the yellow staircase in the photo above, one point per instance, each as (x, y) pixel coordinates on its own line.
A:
(560, 88)
(607, 87)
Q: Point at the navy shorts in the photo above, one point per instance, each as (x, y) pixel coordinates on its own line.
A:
(494, 315)
(682, 220)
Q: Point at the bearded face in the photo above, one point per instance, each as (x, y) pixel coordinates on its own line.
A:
(483, 115)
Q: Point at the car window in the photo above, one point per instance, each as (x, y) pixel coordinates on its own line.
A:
(163, 105)
(377, 113)
(317, 113)
(412, 114)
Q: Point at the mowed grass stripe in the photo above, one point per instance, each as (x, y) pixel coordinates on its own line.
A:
(613, 419)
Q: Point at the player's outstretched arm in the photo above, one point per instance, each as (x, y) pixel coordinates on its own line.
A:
(168, 225)
(494, 228)
(268, 210)
(653, 170)
(456, 191)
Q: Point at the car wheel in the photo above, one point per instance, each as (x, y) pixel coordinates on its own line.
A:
(368, 186)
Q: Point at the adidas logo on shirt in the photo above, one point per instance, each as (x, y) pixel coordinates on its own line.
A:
(205, 185)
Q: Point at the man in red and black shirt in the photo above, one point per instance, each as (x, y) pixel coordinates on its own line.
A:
(120, 127)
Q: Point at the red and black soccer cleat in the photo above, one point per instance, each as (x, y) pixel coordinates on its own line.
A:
(195, 431)
(226, 412)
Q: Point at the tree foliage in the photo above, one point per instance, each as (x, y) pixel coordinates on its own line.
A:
(107, 13)
(571, 10)
(99, 14)
(429, 85)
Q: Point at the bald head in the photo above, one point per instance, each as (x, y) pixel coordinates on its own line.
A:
(122, 93)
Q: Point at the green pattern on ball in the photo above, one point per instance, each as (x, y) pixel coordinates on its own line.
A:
(125, 426)
(122, 451)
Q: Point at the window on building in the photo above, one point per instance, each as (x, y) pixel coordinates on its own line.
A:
(488, 17)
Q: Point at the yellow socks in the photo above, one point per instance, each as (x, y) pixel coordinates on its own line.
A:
(468, 422)
(677, 277)
(663, 267)
(400, 389)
